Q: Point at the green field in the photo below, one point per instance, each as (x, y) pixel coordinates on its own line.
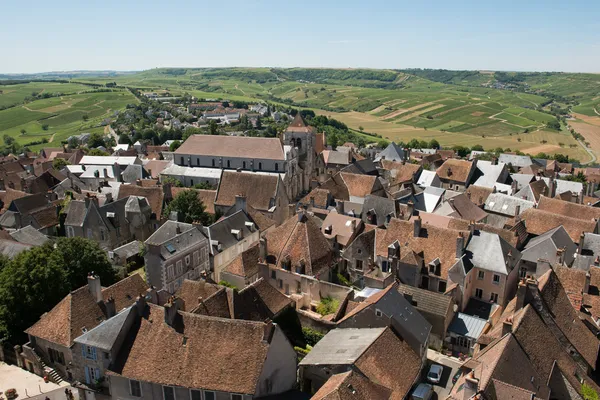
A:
(455, 107)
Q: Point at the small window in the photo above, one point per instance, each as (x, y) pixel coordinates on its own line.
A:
(135, 388)
(213, 162)
(102, 235)
(442, 287)
(187, 260)
(89, 233)
(273, 274)
(170, 272)
(494, 298)
(228, 164)
(384, 266)
(182, 161)
(209, 395)
(244, 164)
(523, 272)
(179, 265)
(195, 395)
(168, 393)
(480, 275)
(280, 284)
(198, 161)
(260, 166)
(359, 265)
(70, 231)
(236, 397)
(478, 293)
(276, 166)
(496, 280)
(378, 313)
(170, 248)
(196, 258)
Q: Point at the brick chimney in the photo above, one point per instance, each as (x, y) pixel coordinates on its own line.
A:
(262, 249)
(460, 245)
(140, 304)
(171, 308)
(269, 329)
(417, 226)
(94, 286)
(240, 202)
(507, 326)
(471, 386)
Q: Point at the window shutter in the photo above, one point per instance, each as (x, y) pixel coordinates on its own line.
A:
(83, 350)
(94, 353)
(87, 375)
(97, 373)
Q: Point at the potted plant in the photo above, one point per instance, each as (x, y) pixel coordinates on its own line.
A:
(11, 394)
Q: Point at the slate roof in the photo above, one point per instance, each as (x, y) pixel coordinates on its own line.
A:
(158, 354)
(515, 160)
(426, 301)
(154, 195)
(426, 178)
(467, 325)
(393, 152)
(79, 310)
(233, 146)
(300, 240)
(11, 249)
(29, 235)
(455, 170)
(336, 157)
(545, 246)
(506, 205)
(221, 231)
(106, 334)
(260, 190)
(488, 251)
(381, 207)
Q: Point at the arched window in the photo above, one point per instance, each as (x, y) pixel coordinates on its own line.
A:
(276, 166)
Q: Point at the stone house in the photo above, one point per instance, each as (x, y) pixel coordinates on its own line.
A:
(176, 251)
(52, 338)
(456, 174)
(246, 359)
(111, 225)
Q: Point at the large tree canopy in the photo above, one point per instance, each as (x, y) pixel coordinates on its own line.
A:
(37, 279)
(189, 208)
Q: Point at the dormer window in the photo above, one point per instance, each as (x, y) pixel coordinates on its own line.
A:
(237, 233)
(328, 229)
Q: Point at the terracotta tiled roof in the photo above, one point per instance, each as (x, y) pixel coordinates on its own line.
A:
(148, 182)
(299, 240)
(191, 291)
(261, 220)
(155, 167)
(79, 310)
(233, 146)
(245, 264)
(351, 385)
(217, 305)
(10, 195)
(465, 209)
(258, 189)
(46, 217)
(455, 170)
(392, 363)
(298, 125)
(319, 142)
(573, 281)
(320, 195)
(433, 242)
(206, 196)
(163, 355)
(154, 195)
(592, 304)
(272, 298)
(566, 318)
(401, 172)
(359, 185)
(569, 209)
(540, 221)
(479, 194)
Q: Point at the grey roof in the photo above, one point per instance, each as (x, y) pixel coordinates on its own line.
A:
(545, 246)
(467, 325)
(475, 153)
(76, 213)
(29, 203)
(426, 301)
(488, 251)
(565, 186)
(105, 335)
(338, 157)
(171, 242)
(489, 174)
(427, 178)
(129, 249)
(381, 206)
(504, 204)
(10, 248)
(590, 250)
(515, 160)
(9, 219)
(522, 179)
(132, 173)
(393, 152)
(342, 346)
(29, 235)
(220, 231)
(167, 231)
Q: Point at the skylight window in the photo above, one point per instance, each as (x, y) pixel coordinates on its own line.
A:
(170, 248)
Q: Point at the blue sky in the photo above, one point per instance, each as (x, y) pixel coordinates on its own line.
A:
(134, 35)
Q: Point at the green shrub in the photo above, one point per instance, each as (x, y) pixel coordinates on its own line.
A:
(311, 337)
(227, 284)
(588, 393)
(327, 305)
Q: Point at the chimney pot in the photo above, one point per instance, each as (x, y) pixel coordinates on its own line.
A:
(94, 286)
(417, 226)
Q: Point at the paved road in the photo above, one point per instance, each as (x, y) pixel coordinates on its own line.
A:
(591, 153)
(450, 365)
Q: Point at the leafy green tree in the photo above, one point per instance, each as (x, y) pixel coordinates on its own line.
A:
(45, 127)
(171, 181)
(73, 143)
(434, 144)
(258, 122)
(189, 208)
(477, 147)
(97, 152)
(59, 163)
(124, 139)
(203, 185)
(333, 141)
(23, 131)
(588, 392)
(213, 128)
(554, 124)
(85, 117)
(382, 144)
(175, 145)
(360, 128)
(96, 140)
(8, 140)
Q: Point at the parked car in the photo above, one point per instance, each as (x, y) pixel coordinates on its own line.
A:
(456, 376)
(422, 392)
(435, 373)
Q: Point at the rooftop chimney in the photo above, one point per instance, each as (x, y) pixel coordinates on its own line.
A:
(312, 201)
(586, 288)
(240, 202)
(460, 245)
(517, 210)
(410, 208)
(507, 326)
(417, 226)
(171, 308)
(110, 307)
(140, 304)
(94, 286)
(471, 386)
(269, 329)
(262, 248)
(178, 229)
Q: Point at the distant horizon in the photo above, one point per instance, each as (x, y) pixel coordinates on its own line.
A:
(299, 67)
(530, 36)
